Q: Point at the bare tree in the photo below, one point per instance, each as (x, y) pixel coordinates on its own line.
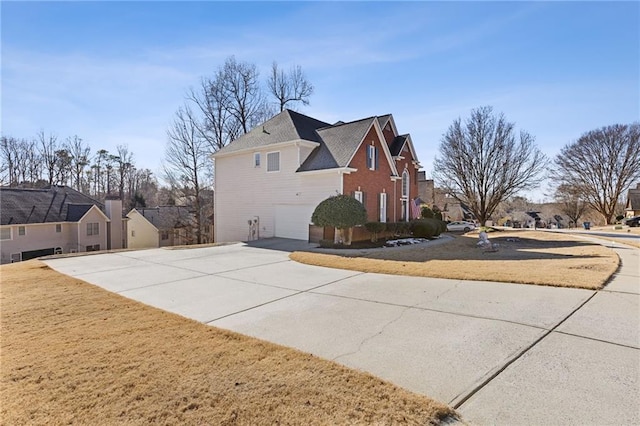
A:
(217, 125)
(9, 152)
(47, 147)
(244, 99)
(601, 165)
(80, 153)
(571, 204)
(186, 159)
(289, 87)
(482, 162)
(124, 163)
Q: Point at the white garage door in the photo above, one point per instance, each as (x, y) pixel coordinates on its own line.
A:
(292, 221)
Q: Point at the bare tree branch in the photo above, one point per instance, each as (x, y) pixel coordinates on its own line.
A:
(289, 87)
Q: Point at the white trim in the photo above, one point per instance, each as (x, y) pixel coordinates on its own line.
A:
(383, 217)
(10, 228)
(340, 170)
(257, 161)
(98, 210)
(371, 155)
(134, 210)
(358, 196)
(383, 142)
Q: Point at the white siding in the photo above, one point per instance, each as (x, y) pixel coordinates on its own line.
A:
(243, 192)
(39, 236)
(92, 216)
(141, 233)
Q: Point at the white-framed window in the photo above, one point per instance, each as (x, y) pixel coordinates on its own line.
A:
(5, 233)
(93, 228)
(273, 161)
(256, 159)
(372, 157)
(383, 207)
(358, 196)
(405, 184)
(22, 231)
(58, 228)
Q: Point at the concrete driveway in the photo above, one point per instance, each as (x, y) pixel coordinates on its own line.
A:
(498, 353)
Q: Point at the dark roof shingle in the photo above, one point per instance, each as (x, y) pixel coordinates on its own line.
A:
(168, 217)
(54, 204)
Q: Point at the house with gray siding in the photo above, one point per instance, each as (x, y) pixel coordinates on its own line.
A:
(56, 220)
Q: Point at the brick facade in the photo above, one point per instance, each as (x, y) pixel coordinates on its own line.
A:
(373, 182)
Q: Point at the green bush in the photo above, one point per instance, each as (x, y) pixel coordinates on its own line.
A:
(426, 213)
(401, 229)
(437, 214)
(428, 228)
(375, 228)
(342, 212)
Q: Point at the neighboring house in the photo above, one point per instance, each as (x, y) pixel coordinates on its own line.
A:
(39, 222)
(632, 207)
(160, 226)
(269, 181)
(449, 206)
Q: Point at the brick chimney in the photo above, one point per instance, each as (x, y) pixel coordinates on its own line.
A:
(113, 207)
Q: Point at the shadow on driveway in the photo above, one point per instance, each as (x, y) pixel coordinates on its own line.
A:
(282, 244)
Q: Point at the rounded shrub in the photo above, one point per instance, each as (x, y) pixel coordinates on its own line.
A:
(375, 228)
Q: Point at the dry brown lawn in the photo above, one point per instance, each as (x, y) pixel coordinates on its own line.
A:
(72, 353)
(525, 257)
(624, 231)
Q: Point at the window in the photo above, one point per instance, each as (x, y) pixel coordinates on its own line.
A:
(58, 227)
(372, 157)
(358, 196)
(164, 235)
(273, 161)
(22, 230)
(5, 233)
(93, 229)
(95, 247)
(256, 159)
(405, 184)
(383, 207)
(133, 233)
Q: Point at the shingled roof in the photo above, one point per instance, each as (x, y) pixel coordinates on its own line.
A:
(337, 142)
(53, 204)
(168, 217)
(338, 145)
(286, 126)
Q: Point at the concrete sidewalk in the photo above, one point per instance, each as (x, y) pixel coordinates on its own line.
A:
(499, 353)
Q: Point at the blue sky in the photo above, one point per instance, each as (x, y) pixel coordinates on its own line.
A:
(115, 72)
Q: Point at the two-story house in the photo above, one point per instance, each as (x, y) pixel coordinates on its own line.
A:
(39, 222)
(269, 181)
